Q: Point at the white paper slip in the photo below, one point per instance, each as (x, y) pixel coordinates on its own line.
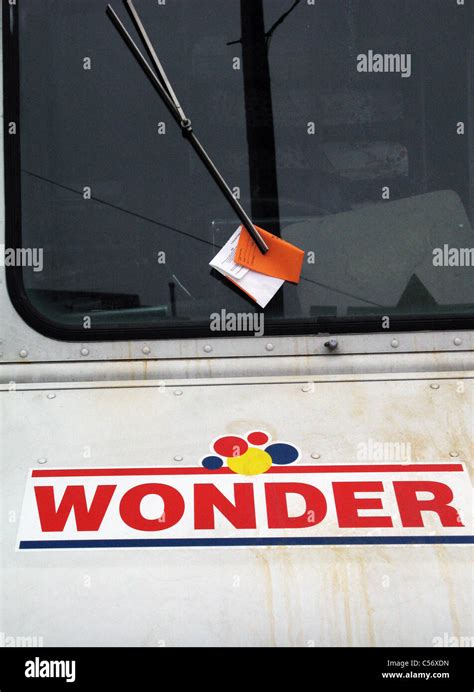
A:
(224, 260)
(260, 287)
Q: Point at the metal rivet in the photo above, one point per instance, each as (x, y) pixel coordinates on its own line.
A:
(23, 353)
(208, 348)
(178, 392)
(315, 455)
(395, 343)
(178, 457)
(453, 454)
(457, 341)
(306, 388)
(434, 386)
(331, 345)
(51, 396)
(146, 350)
(270, 347)
(84, 351)
(42, 460)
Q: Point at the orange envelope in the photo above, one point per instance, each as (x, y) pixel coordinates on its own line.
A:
(283, 260)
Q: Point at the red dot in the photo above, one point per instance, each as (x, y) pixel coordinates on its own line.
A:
(230, 446)
(257, 438)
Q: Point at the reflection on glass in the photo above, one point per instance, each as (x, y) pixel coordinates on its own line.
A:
(341, 125)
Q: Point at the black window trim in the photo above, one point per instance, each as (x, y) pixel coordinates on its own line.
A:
(53, 330)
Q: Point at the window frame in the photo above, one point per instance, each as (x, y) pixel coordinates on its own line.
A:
(41, 324)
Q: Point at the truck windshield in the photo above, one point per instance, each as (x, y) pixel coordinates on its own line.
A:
(341, 125)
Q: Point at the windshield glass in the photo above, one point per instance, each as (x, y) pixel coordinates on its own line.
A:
(341, 125)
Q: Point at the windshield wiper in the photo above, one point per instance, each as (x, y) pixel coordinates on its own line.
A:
(161, 83)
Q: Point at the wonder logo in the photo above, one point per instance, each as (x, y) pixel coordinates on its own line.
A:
(251, 455)
(248, 491)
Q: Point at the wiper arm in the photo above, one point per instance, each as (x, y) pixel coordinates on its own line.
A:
(163, 86)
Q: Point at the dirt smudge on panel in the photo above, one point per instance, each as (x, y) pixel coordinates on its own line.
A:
(359, 401)
(242, 426)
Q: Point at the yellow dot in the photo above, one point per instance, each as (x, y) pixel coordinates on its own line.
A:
(253, 462)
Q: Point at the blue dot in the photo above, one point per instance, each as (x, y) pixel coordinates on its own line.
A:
(212, 463)
(282, 453)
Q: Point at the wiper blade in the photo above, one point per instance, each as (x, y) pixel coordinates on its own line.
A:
(142, 61)
(154, 58)
(163, 86)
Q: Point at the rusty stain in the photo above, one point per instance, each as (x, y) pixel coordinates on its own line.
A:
(286, 594)
(268, 585)
(345, 581)
(284, 556)
(340, 588)
(444, 565)
(433, 423)
(294, 590)
(365, 595)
